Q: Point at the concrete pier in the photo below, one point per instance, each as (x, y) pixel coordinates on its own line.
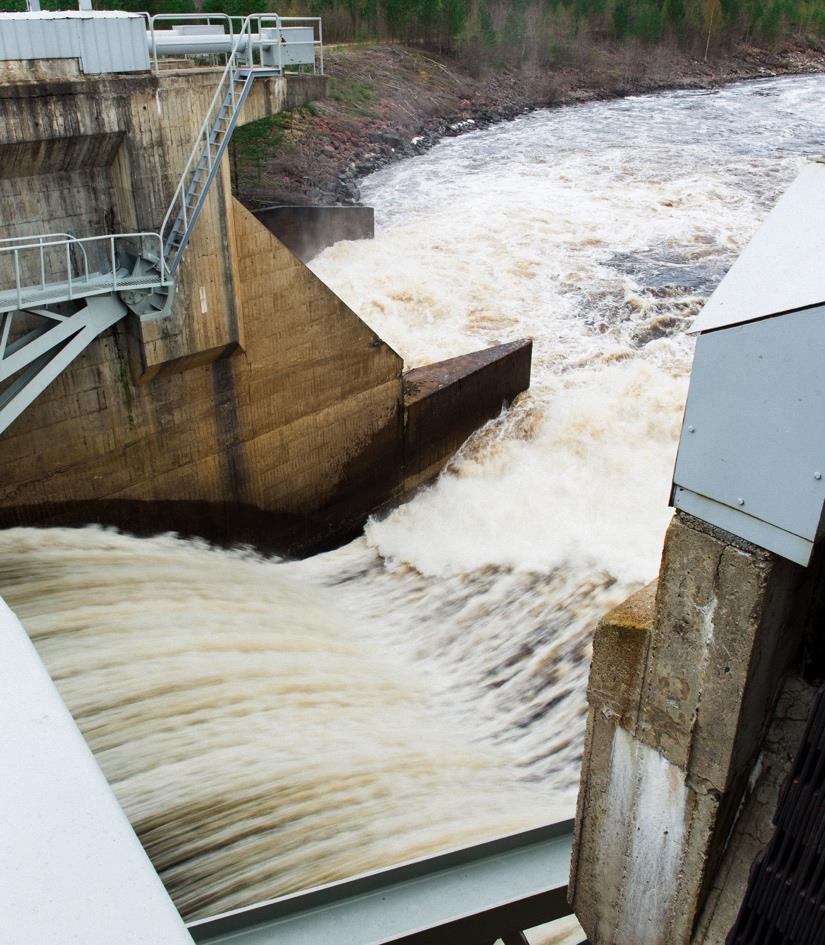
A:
(445, 402)
(684, 685)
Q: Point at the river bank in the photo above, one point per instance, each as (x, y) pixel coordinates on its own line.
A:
(387, 102)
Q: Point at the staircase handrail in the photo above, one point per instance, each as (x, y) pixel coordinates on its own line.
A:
(242, 45)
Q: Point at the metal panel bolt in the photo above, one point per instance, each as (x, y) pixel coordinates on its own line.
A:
(817, 475)
(740, 501)
(691, 429)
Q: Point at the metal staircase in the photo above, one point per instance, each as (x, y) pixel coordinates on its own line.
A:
(58, 301)
(205, 160)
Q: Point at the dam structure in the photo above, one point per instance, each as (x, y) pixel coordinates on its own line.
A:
(200, 735)
(166, 362)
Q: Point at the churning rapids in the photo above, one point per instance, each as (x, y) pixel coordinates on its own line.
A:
(269, 726)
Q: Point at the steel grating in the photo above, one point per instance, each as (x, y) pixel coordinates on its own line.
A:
(785, 900)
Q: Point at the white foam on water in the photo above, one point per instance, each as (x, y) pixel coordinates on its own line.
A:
(254, 734)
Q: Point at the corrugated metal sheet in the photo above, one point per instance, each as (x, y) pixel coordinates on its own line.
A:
(102, 42)
(781, 269)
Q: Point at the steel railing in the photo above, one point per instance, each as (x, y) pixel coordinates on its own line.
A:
(317, 43)
(240, 58)
(234, 25)
(314, 21)
(250, 49)
(42, 241)
(246, 56)
(207, 19)
(53, 257)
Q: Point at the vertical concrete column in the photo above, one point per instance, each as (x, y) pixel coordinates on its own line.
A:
(681, 691)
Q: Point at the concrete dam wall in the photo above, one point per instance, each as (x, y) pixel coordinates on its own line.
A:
(261, 408)
(308, 230)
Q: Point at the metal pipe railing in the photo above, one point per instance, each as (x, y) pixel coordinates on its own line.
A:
(247, 42)
(76, 275)
(208, 18)
(164, 42)
(45, 239)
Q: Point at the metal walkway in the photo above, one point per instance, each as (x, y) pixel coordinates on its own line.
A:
(56, 276)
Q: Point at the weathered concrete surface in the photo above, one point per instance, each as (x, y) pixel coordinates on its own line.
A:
(297, 436)
(262, 408)
(308, 230)
(620, 647)
(723, 639)
(754, 827)
(680, 705)
(636, 819)
(103, 155)
(445, 402)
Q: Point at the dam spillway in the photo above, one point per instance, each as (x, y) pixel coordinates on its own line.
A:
(260, 740)
(503, 630)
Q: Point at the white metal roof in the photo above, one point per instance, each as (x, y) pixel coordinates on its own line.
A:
(102, 42)
(70, 15)
(783, 266)
(72, 871)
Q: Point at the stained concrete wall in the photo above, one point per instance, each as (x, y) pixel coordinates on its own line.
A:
(682, 691)
(288, 441)
(261, 405)
(308, 230)
(754, 827)
(262, 409)
(100, 156)
(103, 155)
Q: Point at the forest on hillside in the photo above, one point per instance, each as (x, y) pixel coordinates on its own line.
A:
(537, 31)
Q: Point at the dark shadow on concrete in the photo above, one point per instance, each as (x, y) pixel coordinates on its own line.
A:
(443, 404)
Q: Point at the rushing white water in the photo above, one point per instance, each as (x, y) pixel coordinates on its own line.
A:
(258, 739)
(597, 230)
(273, 725)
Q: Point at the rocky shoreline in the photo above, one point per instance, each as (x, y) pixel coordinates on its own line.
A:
(391, 102)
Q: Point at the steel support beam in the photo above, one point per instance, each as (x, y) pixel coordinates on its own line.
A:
(473, 896)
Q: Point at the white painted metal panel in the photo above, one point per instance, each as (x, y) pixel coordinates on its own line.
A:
(72, 871)
(753, 438)
(102, 42)
(744, 526)
(297, 46)
(781, 269)
(299, 49)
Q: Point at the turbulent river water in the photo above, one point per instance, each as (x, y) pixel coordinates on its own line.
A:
(268, 725)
